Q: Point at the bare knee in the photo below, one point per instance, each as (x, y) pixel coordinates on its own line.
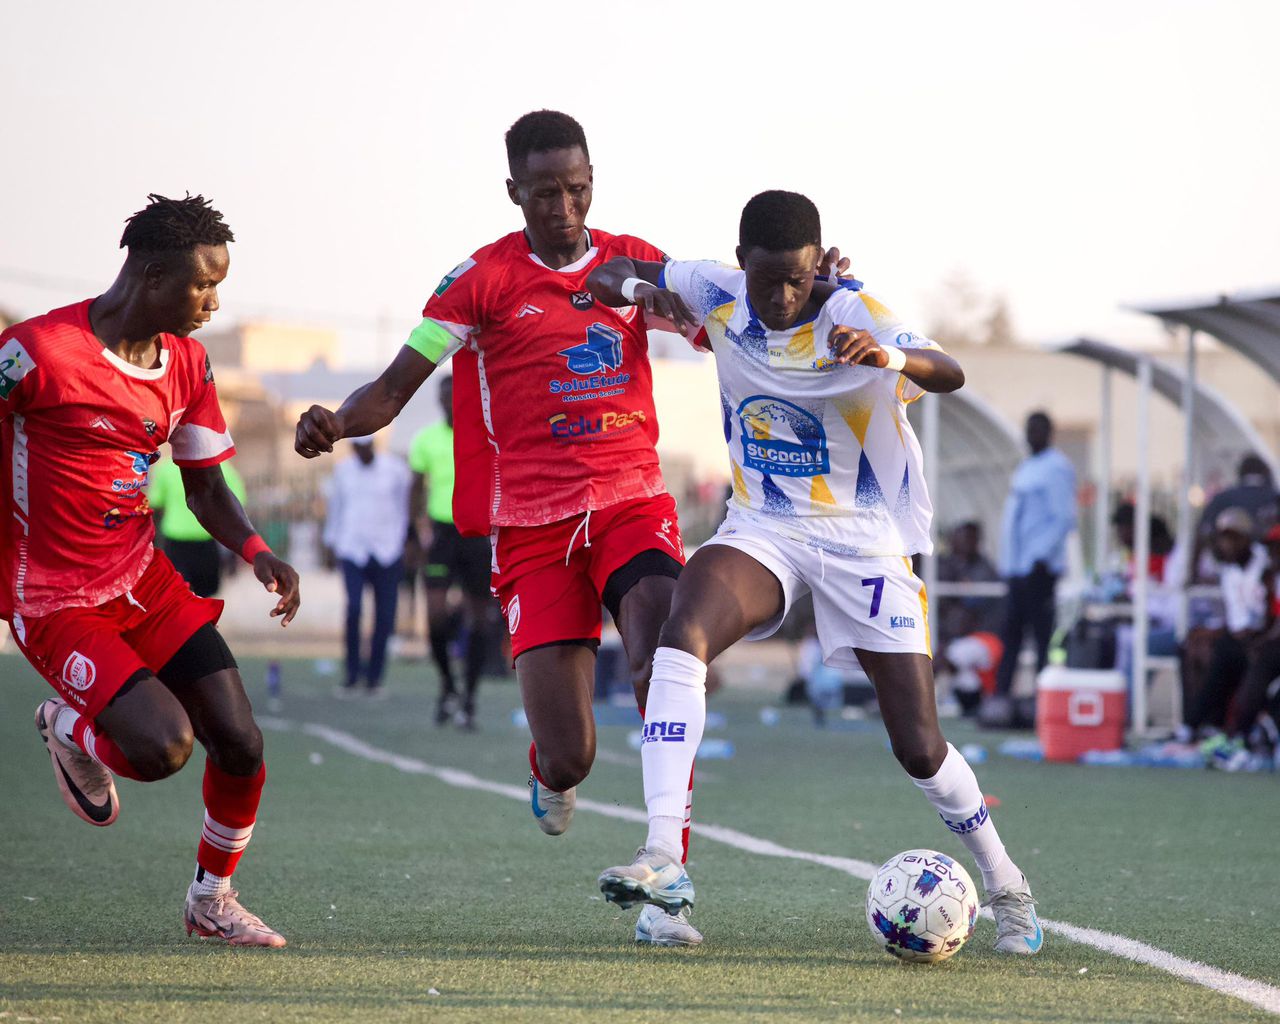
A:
(920, 757)
(240, 753)
(162, 753)
(563, 771)
(685, 635)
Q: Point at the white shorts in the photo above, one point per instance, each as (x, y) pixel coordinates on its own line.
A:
(874, 604)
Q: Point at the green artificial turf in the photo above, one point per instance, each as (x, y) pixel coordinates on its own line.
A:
(390, 885)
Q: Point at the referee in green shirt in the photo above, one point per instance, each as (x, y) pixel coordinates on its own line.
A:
(452, 561)
(196, 555)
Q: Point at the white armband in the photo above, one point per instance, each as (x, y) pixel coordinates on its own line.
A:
(897, 358)
(628, 288)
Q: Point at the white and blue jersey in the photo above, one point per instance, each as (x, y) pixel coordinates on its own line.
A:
(820, 450)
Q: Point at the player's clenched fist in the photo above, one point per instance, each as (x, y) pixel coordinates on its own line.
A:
(318, 429)
(851, 346)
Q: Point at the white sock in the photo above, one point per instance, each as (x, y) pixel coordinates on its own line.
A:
(208, 884)
(675, 715)
(954, 792)
(63, 726)
(664, 834)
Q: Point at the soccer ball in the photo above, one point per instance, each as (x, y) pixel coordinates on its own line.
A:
(921, 906)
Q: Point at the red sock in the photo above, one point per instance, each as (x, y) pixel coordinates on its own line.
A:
(533, 765)
(102, 748)
(688, 819)
(230, 809)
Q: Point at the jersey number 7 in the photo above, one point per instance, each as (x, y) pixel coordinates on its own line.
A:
(877, 585)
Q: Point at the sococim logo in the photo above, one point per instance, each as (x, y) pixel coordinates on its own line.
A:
(581, 426)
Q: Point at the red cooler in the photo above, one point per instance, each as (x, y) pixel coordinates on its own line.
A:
(1079, 710)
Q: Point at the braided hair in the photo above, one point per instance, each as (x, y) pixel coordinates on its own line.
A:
(166, 226)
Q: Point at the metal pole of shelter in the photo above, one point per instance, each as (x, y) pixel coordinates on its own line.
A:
(1102, 499)
(1186, 528)
(929, 417)
(1142, 548)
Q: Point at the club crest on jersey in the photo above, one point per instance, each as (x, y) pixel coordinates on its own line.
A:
(79, 672)
(208, 369)
(782, 439)
(601, 351)
(149, 426)
(582, 300)
(15, 364)
(447, 281)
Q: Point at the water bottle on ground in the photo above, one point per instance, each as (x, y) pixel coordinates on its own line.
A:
(274, 702)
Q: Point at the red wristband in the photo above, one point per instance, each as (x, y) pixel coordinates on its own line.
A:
(253, 547)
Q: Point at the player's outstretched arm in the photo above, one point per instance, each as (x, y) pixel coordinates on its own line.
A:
(220, 512)
(929, 368)
(627, 282)
(367, 409)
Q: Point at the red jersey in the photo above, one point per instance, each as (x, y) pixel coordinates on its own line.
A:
(553, 393)
(79, 431)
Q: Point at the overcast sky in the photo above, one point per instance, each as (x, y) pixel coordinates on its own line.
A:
(1072, 157)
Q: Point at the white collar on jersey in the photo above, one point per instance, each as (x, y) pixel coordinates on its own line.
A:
(141, 373)
(573, 267)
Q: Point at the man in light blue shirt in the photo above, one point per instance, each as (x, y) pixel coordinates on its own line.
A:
(1039, 515)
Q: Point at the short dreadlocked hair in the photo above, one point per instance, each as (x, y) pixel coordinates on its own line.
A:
(540, 131)
(778, 221)
(167, 226)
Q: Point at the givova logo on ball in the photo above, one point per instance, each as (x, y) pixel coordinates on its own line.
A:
(782, 439)
(921, 906)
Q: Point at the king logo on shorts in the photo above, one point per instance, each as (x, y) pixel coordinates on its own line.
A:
(513, 615)
(79, 672)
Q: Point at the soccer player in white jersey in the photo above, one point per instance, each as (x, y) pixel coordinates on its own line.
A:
(829, 497)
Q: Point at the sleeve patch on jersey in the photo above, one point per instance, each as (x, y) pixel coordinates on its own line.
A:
(453, 275)
(208, 369)
(15, 363)
(433, 341)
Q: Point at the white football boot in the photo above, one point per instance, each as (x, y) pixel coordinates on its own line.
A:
(222, 917)
(86, 786)
(1018, 929)
(658, 928)
(654, 877)
(553, 810)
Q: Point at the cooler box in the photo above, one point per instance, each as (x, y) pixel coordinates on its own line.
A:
(1079, 710)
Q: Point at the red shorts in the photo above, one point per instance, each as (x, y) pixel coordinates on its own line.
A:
(87, 654)
(550, 579)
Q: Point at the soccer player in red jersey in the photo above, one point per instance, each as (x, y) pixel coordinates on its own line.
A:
(88, 393)
(554, 445)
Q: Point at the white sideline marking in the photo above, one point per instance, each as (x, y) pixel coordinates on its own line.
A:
(1249, 990)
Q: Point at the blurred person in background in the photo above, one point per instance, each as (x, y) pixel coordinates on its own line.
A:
(1254, 492)
(964, 562)
(365, 528)
(452, 560)
(1162, 587)
(1245, 579)
(1039, 515)
(1254, 726)
(195, 554)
